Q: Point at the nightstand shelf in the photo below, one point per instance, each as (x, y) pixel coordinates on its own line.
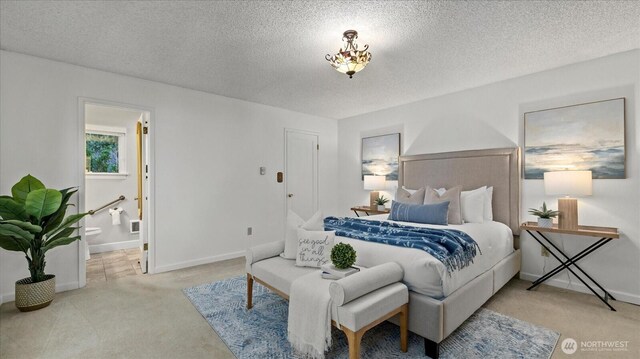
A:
(368, 210)
(606, 234)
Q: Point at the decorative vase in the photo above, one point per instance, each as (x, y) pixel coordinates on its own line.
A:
(381, 207)
(545, 222)
(33, 296)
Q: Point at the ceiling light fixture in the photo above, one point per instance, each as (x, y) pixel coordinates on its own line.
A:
(350, 60)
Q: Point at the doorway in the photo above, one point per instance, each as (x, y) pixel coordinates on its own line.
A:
(115, 188)
(301, 172)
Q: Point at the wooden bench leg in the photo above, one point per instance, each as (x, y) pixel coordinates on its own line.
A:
(249, 291)
(404, 328)
(354, 339)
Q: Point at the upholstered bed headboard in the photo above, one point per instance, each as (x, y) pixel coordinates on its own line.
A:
(499, 168)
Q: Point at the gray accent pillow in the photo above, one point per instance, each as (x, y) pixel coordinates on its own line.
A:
(403, 196)
(453, 196)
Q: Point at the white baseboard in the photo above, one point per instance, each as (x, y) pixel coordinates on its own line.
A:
(62, 287)
(577, 286)
(200, 261)
(114, 246)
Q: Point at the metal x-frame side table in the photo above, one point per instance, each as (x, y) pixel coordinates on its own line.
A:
(606, 233)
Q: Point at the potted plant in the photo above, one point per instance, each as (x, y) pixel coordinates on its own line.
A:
(381, 201)
(343, 255)
(32, 221)
(545, 216)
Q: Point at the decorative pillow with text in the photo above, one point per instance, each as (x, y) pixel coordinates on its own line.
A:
(314, 247)
(294, 222)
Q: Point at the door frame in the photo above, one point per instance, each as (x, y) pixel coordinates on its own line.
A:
(286, 170)
(150, 188)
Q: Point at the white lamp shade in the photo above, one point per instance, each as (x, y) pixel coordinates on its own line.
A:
(568, 183)
(373, 183)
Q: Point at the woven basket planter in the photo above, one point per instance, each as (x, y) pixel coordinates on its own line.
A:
(33, 296)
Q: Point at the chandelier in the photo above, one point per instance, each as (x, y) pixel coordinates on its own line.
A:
(350, 60)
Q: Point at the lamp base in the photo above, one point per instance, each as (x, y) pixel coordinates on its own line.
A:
(568, 218)
(373, 196)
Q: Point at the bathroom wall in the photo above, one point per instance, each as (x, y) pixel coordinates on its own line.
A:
(102, 189)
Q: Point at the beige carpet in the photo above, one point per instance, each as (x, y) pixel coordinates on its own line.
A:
(147, 316)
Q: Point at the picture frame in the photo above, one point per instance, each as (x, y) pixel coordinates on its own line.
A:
(587, 136)
(380, 156)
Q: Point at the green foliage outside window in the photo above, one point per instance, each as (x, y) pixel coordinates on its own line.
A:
(102, 153)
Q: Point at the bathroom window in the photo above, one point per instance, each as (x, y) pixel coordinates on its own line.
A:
(105, 151)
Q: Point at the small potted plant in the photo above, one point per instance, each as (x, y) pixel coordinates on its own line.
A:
(32, 221)
(381, 201)
(545, 216)
(343, 255)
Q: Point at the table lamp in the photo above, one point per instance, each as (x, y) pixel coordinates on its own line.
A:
(568, 183)
(374, 183)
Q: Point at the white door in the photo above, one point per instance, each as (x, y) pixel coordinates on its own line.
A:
(301, 172)
(143, 187)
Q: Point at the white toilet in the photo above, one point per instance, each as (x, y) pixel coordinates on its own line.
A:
(89, 232)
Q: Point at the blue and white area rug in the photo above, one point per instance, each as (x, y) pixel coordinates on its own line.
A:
(262, 331)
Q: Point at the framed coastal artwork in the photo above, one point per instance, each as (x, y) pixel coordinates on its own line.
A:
(380, 156)
(582, 137)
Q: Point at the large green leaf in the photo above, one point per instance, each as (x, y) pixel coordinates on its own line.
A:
(27, 184)
(12, 244)
(59, 242)
(63, 233)
(67, 222)
(11, 230)
(10, 209)
(43, 202)
(54, 220)
(27, 226)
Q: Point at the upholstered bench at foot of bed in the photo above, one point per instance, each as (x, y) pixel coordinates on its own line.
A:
(368, 298)
(362, 300)
(276, 274)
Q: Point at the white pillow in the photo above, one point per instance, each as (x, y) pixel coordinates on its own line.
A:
(488, 204)
(314, 248)
(472, 205)
(294, 222)
(315, 223)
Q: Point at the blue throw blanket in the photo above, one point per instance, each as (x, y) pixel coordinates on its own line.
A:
(455, 249)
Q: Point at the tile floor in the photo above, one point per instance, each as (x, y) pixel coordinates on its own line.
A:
(108, 266)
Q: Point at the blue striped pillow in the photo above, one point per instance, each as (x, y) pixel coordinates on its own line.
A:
(420, 213)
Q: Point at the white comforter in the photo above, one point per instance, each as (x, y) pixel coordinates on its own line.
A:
(425, 274)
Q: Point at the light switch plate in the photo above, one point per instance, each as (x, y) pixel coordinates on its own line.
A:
(263, 170)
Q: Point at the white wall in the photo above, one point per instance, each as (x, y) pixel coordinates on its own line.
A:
(104, 189)
(490, 117)
(208, 150)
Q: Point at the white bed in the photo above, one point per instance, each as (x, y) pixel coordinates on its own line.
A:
(425, 274)
(439, 303)
(436, 319)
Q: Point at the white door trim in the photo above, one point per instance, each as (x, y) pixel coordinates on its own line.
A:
(286, 170)
(150, 203)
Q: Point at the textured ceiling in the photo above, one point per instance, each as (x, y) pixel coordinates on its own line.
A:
(272, 52)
